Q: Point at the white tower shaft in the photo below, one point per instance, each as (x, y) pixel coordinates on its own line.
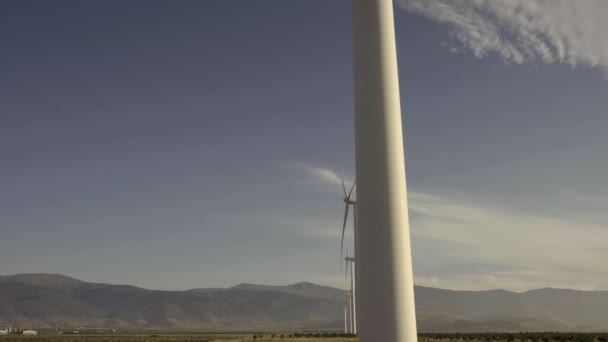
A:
(353, 290)
(386, 290)
(345, 319)
(350, 303)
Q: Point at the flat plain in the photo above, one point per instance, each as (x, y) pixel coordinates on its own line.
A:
(166, 337)
(170, 338)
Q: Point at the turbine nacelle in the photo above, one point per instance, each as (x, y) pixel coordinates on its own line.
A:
(349, 200)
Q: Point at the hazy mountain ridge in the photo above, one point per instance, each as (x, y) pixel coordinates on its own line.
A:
(43, 299)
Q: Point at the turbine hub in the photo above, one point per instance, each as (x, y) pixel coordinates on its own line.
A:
(348, 200)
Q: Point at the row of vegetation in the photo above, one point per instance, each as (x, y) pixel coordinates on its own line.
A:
(305, 335)
(516, 337)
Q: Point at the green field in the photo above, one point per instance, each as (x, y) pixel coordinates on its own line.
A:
(276, 337)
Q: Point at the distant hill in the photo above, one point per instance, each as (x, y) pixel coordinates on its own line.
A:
(43, 299)
(498, 310)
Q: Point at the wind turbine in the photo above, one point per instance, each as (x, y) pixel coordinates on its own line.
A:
(353, 310)
(348, 322)
(346, 314)
(384, 262)
(348, 201)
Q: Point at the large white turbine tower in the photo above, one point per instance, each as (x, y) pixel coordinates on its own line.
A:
(384, 264)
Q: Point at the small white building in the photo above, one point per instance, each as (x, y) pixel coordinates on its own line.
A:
(30, 332)
(4, 332)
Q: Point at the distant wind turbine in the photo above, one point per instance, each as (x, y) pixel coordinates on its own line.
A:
(346, 315)
(353, 301)
(348, 201)
(348, 323)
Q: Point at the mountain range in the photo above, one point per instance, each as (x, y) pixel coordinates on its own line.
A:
(42, 300)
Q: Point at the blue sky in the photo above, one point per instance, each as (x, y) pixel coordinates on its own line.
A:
(188, 144)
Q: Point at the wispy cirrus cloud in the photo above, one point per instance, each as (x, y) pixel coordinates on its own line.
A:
(589, 200)
(324, 174)
(468, 245)
(319, 175)
(459, 243)
(520, 31)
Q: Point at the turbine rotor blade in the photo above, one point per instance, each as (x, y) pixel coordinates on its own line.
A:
(355, 229)
(351, 189)
(343, 230)
(346, 275)
(346, 262)
(344, 187)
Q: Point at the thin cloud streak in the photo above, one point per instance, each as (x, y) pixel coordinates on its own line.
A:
(522, 31)
(320, 175)
(527, 251)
